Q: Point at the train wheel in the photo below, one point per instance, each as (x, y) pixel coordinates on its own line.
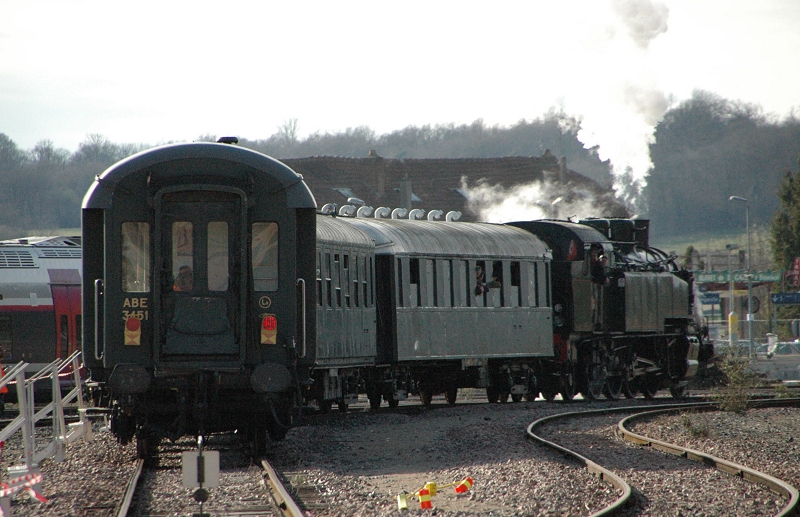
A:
(393, 402)
(649, 386)
(595, 380)
(549, 393)
(426, 397)
(342, 406)
(374, 397)
(678, 391)
(257, 436)
(630, 388)
(451, 395)
(503, 398)
(567, 386)
(147, 447)
(630, 384)
(324, 405)
(612, 387)
(516, 398)
(492, 394)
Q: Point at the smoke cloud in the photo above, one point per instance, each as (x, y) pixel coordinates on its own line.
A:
(619, 108)
(614, 104)
(644, 20)
(537, 200)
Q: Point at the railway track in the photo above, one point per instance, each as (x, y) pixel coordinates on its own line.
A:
(244, 488)
(624, 473)
(359, 462)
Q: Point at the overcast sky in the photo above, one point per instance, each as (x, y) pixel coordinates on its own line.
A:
(151, 72)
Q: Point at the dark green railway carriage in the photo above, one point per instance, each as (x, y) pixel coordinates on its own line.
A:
(197, 301)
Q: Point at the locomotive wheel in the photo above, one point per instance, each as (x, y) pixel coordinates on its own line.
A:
(596, 381)
(426, 397)
(503, 398)
(630, 388)
(393, 402)
(451, 395)
(612, 387)
(630, 384)
(342, 406)
(678, 392)
(649, 386)
(516, 398)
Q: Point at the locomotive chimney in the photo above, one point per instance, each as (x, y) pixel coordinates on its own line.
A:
(405, 193)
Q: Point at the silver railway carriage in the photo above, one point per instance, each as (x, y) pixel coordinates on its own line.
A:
(460, 305)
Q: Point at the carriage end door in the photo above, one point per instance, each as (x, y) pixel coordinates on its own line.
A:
(201, 275)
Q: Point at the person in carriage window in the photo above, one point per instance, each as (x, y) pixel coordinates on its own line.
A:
(184, 280)
(480, 281)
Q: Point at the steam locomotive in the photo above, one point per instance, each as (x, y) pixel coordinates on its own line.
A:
(216, 297)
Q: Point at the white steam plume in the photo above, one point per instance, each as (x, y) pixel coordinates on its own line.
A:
(620, 104)
(536, 200)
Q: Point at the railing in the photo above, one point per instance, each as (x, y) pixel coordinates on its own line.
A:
(62, 434)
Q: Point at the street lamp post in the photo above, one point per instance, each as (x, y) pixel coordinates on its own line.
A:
(732, 320)
(749, 271)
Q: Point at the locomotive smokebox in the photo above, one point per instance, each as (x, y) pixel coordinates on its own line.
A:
(270, 378)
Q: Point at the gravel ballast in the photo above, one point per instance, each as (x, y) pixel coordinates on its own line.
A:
(363, 460)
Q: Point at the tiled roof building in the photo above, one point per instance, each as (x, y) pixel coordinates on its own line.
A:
(436, 184)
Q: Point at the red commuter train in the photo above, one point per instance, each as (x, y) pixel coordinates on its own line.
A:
(40, 299)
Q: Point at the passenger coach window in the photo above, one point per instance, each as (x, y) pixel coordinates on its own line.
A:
(328, 278)
(364, 281)
(354, 274)
(6, 341)
(183, 255)
(135, 257)
(400, 286)
(218, 256)
(516, 291)
(265, 256)
(416, 295)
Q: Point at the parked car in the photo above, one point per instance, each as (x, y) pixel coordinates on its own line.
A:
(785, 348)
(739, 349)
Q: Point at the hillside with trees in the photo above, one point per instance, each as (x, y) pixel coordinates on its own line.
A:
(706, 149)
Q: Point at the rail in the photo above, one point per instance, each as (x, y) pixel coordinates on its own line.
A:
(282, 497)
(130, 489)
(776, 485)
(601, 472)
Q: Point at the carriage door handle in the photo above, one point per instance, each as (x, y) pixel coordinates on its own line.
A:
(303, 302)
(98, 292)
